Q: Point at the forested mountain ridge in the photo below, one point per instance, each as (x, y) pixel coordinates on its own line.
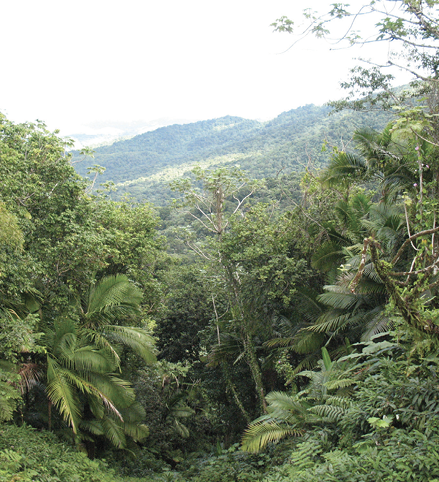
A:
(105, 133)
(144, 165)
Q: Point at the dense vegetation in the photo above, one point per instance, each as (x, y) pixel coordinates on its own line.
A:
(144, 166)
(267, 330)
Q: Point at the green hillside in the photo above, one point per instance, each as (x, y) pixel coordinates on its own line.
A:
(144, 165)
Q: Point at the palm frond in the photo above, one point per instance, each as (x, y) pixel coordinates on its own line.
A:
(111, 389)
(90, 359)
(328, 255)
(280, 342)
(93, 426)
(134, 413)
(114, 432)
(308, 362)
(30, 374)
(333, 321)
(307, 304)
(112, 292)
(340, 300)
(100, 340)
(379, 323)
(344, 168)
(230, 347)
(135, 338)
(307, 342)
(61, 393)
(138, 431)
(259, 434)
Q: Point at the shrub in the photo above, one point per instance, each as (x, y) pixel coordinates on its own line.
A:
(27, 455)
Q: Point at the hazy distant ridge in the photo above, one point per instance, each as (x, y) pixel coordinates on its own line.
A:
(143, 165)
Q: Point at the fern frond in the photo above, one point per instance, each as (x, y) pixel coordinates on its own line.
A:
(337, 384)
(343, 402)
(284, 402)
(331, 413)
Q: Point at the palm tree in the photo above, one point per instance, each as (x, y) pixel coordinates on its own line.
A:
(357, 308)
(380, 158)
(81, 378)
(107, 302)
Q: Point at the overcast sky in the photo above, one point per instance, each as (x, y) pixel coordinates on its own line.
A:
(71, 63)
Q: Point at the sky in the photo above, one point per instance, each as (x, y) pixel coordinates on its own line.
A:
(75, 63)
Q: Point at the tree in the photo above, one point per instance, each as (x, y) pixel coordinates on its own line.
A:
(81, 379)
(110, 300)
(70, 237)
(404, 160)
(254, 265)
(61, 252)
(408, 27)
(210, 208)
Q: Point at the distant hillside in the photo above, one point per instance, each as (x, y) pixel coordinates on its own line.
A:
(144, 165)
(102, 133)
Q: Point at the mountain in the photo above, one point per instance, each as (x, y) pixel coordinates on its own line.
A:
(100, 133)
(144, 165)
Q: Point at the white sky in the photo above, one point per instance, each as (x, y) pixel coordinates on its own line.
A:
(70, 63)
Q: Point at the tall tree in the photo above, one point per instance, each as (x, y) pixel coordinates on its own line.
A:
(408, 27)
(221, 199)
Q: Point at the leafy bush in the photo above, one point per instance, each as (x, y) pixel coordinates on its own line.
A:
(228, 466)
(396, 456)
(27, 455)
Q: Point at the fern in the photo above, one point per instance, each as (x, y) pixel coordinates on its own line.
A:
(9, 395)
(305, 455)
(330, 413)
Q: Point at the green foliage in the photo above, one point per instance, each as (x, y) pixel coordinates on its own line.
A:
(80, 378)
(228, 465)
(144, 166)
(18, 334)
(64, 273)
(408, 27)
(388, 427)
(11, 235)
(28, 455)
(404, 456)
(10, 395)
(188, 312)
(87, 272)
(110, 300)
